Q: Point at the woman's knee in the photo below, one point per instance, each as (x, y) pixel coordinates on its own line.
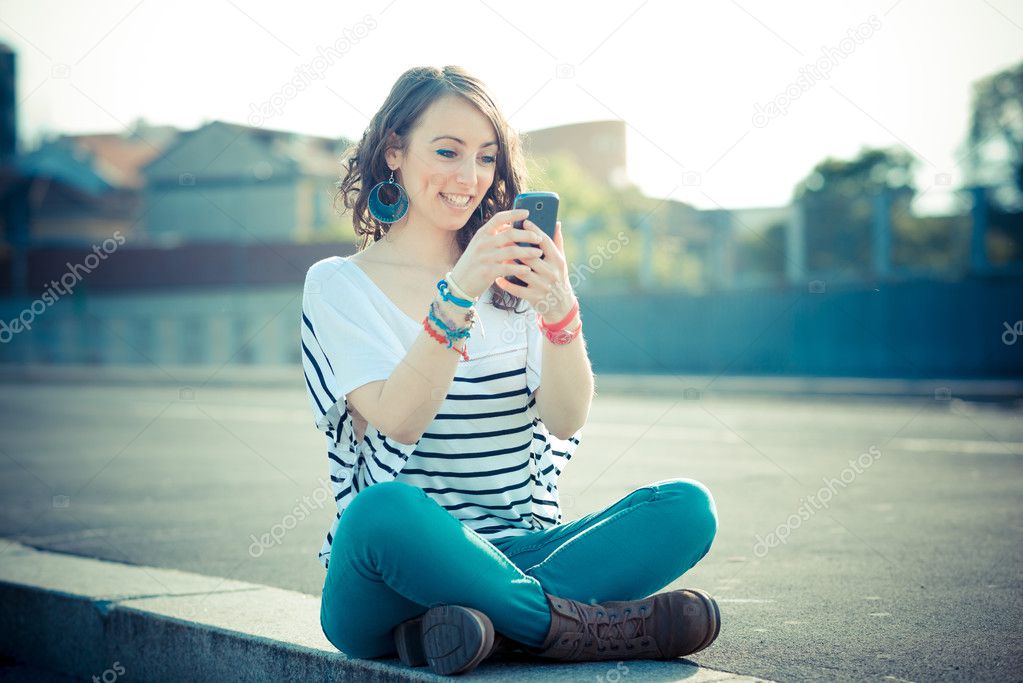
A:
(374, 507)
(692, 504)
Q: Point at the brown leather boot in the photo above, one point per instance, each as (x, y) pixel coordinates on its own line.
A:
(662, 626)
(450, 639)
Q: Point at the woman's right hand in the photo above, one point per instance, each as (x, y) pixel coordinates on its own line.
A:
(492, 251)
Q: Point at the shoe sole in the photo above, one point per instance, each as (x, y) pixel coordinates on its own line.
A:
(713, 616)
(455, 639)
(408, 640)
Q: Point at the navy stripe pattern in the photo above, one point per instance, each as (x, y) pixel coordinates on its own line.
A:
(486, 458)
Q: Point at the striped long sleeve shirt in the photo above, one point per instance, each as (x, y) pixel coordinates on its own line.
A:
(487, 457)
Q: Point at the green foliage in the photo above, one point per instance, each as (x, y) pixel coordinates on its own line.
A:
(604, 230)
(600, 242)
(932, 242)
(762, 253)
(870, 171)
(995, 138)
(838, 202)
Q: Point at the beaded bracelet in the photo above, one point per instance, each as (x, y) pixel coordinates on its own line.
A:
(450, 291)
(451, 331)
(440, 338)
(469, 319)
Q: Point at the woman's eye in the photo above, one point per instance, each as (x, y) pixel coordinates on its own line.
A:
(487, 159)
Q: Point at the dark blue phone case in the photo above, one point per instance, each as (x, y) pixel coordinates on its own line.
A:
(543, 210)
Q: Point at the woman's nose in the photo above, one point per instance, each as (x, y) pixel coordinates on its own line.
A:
(467, 173)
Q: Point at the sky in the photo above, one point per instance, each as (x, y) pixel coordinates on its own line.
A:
(726, 105)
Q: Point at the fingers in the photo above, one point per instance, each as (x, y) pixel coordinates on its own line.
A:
(514, 268)
(502, 218)
(517, 235)
(524, 235)
(514, 251)
(535, 229)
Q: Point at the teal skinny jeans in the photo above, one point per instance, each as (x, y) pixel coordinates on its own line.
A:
(397, 553)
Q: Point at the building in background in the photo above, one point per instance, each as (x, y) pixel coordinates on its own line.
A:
(225, 182)
(222, 222)
(597, 146)
(83, 188)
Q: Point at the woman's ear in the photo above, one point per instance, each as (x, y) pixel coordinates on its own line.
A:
(393, 157)
(392, 151)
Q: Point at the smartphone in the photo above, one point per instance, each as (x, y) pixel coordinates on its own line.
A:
(543, 210)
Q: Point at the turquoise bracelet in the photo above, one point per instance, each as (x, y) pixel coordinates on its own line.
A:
(452, 333)
(445, 293)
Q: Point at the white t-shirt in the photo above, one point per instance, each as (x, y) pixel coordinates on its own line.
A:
(486, 457)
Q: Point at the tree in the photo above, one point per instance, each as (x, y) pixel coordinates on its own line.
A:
(838, 205)
(598, 222)
(764, 254)
(995, 159)
(995, 137)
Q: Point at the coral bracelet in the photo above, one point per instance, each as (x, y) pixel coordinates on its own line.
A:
(555, 332)
(440, 338)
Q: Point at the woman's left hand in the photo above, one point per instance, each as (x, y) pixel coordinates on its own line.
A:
(549, 291)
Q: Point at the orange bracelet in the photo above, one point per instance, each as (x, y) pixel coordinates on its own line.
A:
(554, 327)
(561, 336)
(440, 337)
(556, 332)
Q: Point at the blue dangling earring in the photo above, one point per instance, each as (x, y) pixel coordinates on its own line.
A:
(388, 213)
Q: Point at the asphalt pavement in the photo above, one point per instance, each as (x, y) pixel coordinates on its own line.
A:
(861, 537)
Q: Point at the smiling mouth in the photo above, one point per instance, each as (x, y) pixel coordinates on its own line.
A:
(456, 201)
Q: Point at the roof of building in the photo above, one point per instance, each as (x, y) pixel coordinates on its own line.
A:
(93, 163)
(308, 154)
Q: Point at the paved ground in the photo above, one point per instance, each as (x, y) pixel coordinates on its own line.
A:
(908, 569)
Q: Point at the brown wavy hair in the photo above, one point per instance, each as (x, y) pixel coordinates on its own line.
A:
(364, 165)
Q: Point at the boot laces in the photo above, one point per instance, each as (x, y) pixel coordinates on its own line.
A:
(607, 635)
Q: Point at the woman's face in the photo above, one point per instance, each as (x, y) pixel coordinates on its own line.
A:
(449, 165)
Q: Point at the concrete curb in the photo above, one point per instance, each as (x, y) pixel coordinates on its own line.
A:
(93, 618)
(699, 386)
(675, 386)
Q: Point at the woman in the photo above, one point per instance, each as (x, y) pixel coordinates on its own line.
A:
(444, 454)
